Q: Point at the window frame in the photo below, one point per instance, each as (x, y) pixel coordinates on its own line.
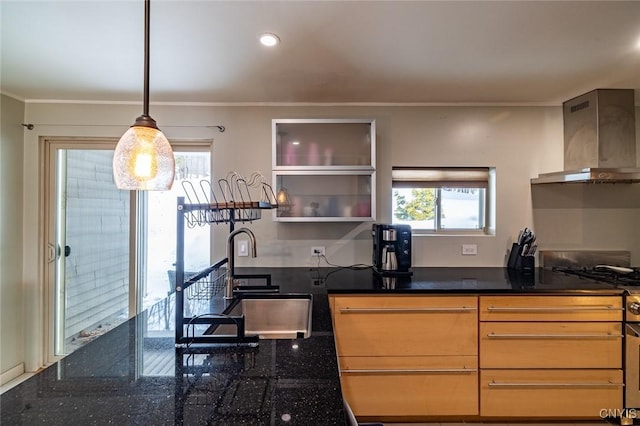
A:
(439, 178)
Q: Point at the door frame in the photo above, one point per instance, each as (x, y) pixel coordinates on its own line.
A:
(47, 148)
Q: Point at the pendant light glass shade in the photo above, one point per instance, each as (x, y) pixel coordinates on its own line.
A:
(143, 160)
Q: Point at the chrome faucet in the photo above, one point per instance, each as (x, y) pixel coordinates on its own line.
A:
(228, 291)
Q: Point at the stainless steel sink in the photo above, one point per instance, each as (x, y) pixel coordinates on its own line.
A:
(269, 316)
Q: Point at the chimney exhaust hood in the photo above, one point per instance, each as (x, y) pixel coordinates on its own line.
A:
(599, 139)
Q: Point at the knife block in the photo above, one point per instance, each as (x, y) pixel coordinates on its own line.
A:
(518, 262)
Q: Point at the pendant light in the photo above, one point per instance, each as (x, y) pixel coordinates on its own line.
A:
(143, 159)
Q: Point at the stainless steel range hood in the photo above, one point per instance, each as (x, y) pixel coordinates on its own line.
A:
(599, 139)
(590, 175)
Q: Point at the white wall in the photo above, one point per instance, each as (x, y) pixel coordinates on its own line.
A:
(11, 294)
(520, 142)
(588, 217)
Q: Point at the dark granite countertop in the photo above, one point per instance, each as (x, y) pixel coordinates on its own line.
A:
(134, 375)
(461, 280)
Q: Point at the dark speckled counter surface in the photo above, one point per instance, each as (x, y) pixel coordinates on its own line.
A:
(465, 280)
(134, 375)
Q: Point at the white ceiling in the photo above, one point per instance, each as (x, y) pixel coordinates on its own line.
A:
(523, 52)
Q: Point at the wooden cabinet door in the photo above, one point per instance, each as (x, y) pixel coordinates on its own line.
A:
(405, 326)
(551, 308)
(549, 393)
(410, 386)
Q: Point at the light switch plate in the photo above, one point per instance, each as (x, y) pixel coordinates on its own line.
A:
(243, 248)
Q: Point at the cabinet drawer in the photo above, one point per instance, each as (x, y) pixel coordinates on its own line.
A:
(405, 326)
(413, 364)
(410, 386)
(551, 308)
(551, 345)
(549, 393)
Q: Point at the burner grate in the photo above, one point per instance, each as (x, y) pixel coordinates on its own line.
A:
(604, 275)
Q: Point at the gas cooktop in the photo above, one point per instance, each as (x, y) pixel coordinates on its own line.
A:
(619, 276)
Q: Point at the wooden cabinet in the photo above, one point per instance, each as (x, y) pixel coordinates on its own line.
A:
(324, 169)
(556, 344)
(410, 386)
(398, 353)
(552, 393)
(550, 308)
(406, 325)
(550, 356)
(480, 357)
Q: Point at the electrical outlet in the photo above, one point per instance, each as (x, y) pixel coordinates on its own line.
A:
(469, 249)
(243, 248)
(317, 251)
(317, 282)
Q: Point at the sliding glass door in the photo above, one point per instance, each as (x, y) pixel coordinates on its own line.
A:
(159, 252)
(110, 252)
(89, 247)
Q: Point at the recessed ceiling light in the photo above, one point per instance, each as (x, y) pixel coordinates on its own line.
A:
(269, 39)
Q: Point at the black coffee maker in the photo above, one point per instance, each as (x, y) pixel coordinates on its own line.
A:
(391, 249)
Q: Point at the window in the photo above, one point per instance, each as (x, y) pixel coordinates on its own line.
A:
(440, 200)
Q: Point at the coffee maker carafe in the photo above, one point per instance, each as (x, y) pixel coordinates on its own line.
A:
(391, 249)
(389, 260)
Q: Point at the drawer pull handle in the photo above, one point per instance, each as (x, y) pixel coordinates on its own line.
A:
(554, 385)
(607, 308)
(412, 370)
(553, 336)
(404, 310)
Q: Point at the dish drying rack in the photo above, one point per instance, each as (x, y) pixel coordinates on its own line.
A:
(232, 203)
(205, 284)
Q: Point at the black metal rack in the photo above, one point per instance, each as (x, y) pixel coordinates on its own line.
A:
(203, 208)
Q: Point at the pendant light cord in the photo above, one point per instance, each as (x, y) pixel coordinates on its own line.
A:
(147, 21)
(145, 119)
